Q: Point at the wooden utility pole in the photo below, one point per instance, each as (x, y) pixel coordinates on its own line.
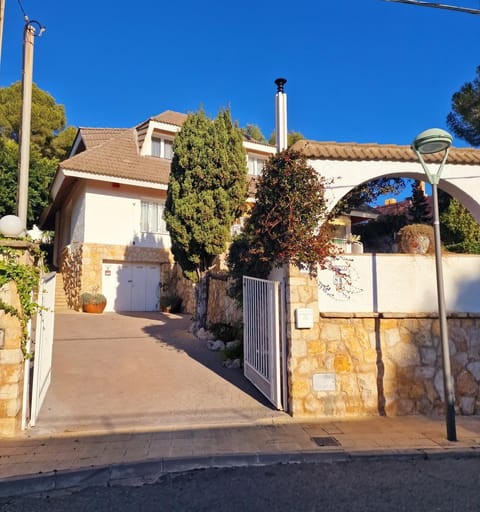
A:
(26, 119)
(25, 125)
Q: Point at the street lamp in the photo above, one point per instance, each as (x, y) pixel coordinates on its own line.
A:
(428, 142)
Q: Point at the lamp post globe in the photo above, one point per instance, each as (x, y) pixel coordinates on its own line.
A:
(432, 140)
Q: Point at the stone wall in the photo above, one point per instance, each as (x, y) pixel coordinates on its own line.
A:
(11, 365)
(11, 355)
(352, 364)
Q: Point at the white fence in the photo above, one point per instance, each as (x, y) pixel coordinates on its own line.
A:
(43, 344)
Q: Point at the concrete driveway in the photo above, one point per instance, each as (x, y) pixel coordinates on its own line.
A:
(141, 371)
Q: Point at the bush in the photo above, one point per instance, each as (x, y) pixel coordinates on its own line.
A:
(227, 332)
(412, 232)
(92, 298)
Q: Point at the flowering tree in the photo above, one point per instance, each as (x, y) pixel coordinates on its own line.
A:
(287, 223)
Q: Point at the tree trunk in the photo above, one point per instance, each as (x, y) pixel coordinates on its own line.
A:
(201, 301)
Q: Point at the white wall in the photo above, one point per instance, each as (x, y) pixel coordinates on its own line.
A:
(112, 216)
(77, 221)
(400, 283)
(460, 181)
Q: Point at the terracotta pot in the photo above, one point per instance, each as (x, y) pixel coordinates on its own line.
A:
(419, 244)
(94, 308)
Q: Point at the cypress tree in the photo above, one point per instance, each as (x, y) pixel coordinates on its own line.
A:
(206, 192)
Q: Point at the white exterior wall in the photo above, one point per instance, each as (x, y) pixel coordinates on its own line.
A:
(460, 181)
(112, 216)
(400, 283)
(77, 222)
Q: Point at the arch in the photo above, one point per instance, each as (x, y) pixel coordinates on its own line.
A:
(347, 166)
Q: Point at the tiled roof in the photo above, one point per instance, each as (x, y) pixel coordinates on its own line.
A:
(385, 152)
(118, 157)
(95, 136)
(171, 117)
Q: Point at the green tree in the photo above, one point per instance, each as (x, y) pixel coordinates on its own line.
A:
(368, 193)
(47, 123)
(253, 131)
(464, 119)
(284, 224)
(292, 137)
(419, 211)
(460, 231)
(41, 171)
(207, 191)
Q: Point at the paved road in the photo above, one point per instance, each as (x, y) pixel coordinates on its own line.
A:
(360, 485)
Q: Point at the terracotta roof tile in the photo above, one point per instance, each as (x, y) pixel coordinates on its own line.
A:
(118, 157)
(171, 117)
(94, 136)
(387, 152)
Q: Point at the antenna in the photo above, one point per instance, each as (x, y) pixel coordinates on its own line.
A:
(435, 5)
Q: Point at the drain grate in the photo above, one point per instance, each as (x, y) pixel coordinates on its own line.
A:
(325, 441)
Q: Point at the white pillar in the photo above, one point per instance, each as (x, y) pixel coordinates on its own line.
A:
(280, 116)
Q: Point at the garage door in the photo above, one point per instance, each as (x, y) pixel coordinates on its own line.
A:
(131, 286)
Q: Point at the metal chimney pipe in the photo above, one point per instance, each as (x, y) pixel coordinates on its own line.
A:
(280, 115)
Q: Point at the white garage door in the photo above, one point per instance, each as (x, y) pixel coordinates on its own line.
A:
(131, 286)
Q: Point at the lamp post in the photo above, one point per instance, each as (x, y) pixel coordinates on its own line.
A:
(428, 142)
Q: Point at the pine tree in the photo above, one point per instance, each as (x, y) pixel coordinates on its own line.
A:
(464, 119)
(206, 192)
(419, 210)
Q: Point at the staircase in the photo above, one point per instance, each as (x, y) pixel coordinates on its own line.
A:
(60, 299)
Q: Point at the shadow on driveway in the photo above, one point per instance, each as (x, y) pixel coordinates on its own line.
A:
(135, 371)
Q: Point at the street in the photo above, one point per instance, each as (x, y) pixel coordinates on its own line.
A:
(444, 484)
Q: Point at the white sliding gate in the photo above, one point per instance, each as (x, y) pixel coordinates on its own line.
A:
(42, 362)
(264, 353)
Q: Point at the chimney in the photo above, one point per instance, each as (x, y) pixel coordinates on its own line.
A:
(280, 115)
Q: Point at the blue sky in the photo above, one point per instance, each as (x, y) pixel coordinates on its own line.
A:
(357, 70)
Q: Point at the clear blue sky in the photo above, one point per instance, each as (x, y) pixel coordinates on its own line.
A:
(357, 70)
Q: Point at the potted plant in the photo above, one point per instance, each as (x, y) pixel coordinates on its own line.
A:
(356, 245)
(416, 239)
(93, 302)
(170, 304)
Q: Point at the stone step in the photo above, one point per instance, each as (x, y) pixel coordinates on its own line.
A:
(60, 299)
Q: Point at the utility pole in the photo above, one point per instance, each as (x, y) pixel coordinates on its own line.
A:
(26, 117)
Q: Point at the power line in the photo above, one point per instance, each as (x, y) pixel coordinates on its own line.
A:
(435, 5)
(25, 17)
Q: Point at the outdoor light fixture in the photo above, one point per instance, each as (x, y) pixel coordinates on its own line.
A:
(428, 142)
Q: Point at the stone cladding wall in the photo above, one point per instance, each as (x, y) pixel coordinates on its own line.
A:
(11, 355)
(11, 365)
(380, 363)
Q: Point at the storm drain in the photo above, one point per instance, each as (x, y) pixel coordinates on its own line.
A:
(325, 441)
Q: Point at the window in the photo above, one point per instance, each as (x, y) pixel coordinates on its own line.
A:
(162, 148)
(152, 218)
(255, 165)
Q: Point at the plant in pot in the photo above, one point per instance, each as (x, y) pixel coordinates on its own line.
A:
(416, 239)
(93, 302)
(171, 304)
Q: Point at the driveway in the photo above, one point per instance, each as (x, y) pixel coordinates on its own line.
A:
(141, 371)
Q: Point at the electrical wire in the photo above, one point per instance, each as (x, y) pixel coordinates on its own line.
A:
(25, 17)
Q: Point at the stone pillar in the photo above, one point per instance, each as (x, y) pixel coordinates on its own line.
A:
(11, 365)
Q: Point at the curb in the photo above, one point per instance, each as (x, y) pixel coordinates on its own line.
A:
(147, 472)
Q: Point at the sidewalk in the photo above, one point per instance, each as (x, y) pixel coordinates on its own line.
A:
(32, 464)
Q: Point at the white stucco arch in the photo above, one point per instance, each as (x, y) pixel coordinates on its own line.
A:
(350, 165)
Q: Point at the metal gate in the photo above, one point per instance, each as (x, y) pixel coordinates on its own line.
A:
(264, 361)
(42, 363)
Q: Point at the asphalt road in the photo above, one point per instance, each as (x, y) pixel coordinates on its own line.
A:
(359, 485)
